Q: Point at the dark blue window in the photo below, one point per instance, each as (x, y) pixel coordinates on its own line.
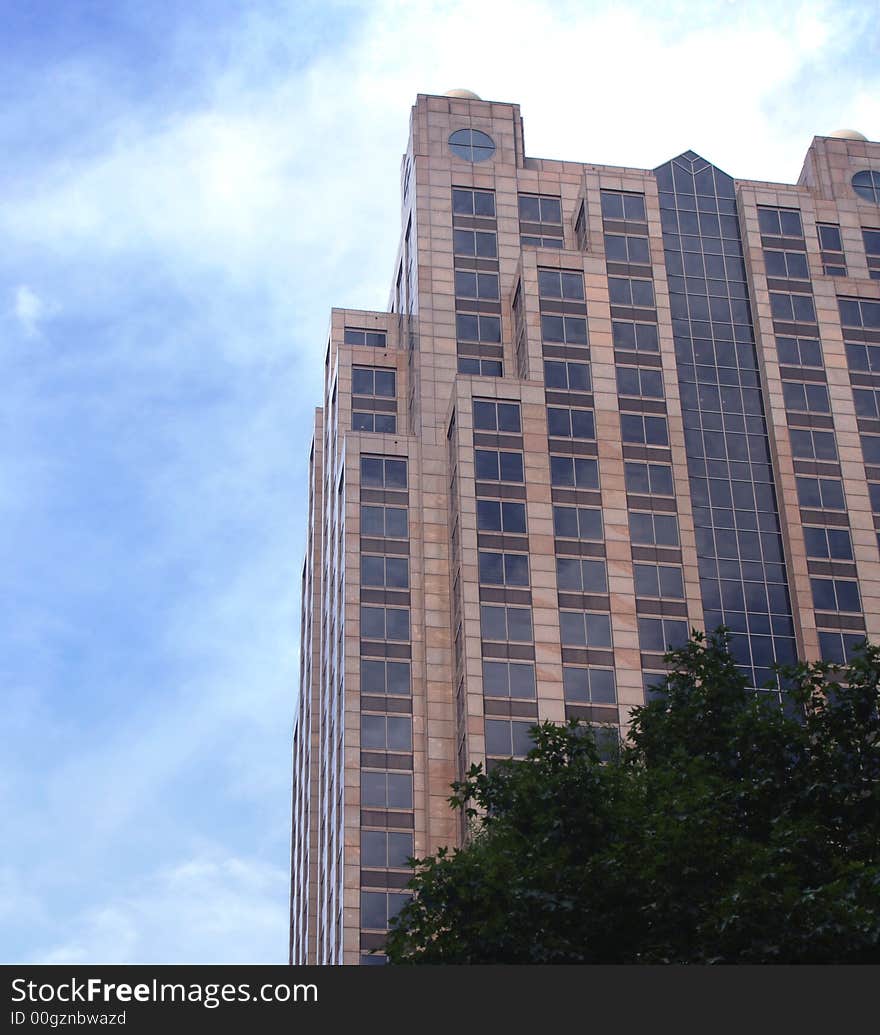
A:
(472, 145)
(736, 524)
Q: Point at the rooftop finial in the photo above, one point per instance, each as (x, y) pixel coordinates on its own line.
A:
(848, 134)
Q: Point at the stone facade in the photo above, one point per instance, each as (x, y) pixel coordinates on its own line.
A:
(606, 405)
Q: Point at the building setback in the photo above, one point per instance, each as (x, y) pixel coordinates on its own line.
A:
(606, 405)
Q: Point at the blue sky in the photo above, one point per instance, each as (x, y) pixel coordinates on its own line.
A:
(186, 191)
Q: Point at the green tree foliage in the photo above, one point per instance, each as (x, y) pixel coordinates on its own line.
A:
(727, 829)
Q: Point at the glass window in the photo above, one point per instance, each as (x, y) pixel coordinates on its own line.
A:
(578, 523)
(588, 685)
(835, 595)
(539, 208)
(824, 493)
(383, 472)
(574, 472)
(386, 732)
(564, 330)
(787, 306)
(871, 448)
(377, 381)
(386, 849)
(780, 222)
(379, 908)
(649, 529)
(791, 265)
(830, 543)
(867, 185)
(501, 516)
(361, 336)
(653, 479)
(384, 522)
(640, 428)
(630, 291)
(546, 240)
(508, 739)
(639, 337)
(467, 202)
(863, 357)
(812, 445)
(382, 570)
(494, 465)
(565, 422)
(627, 248)
(867, 402)
(503, 569)
(508, 679)
(379, 423)
(835, 269)
(830, 241)
(490, 415)
(580, 228)
(476, 285)
(799, 352)
(663, 581)
(472, 145)
(571, 377)
(386, 790)
(829, 237)
(384, 623)
(479, 367)
(474, 327)
(385, 677)
(562, 284)
(482, 244)
(804, 397)
(540, 218)
(838, 647)
(653, 684)
(581, 575)
(585, 629)
(640, 381)
(859, 312)
(619, 205)
(871, 239)
(661, 634)
(498, 622)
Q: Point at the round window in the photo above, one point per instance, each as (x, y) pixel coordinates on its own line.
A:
(471, 145)
(867, 185)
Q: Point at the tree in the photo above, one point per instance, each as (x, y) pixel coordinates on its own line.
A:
(726, 829)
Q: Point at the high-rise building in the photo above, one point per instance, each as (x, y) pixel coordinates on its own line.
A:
(605, 405)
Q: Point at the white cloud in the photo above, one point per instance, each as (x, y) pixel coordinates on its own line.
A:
(16, 902)
(30, 310)
(210, 909)
(250, 215)
(269, 171)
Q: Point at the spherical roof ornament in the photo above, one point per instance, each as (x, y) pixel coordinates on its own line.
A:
(848, 134)
(467, 95)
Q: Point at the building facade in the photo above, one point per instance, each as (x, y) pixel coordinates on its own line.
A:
(605, 406)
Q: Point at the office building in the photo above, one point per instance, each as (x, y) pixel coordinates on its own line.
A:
(605, 406)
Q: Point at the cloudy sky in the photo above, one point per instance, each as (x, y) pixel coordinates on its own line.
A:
(186, 190)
